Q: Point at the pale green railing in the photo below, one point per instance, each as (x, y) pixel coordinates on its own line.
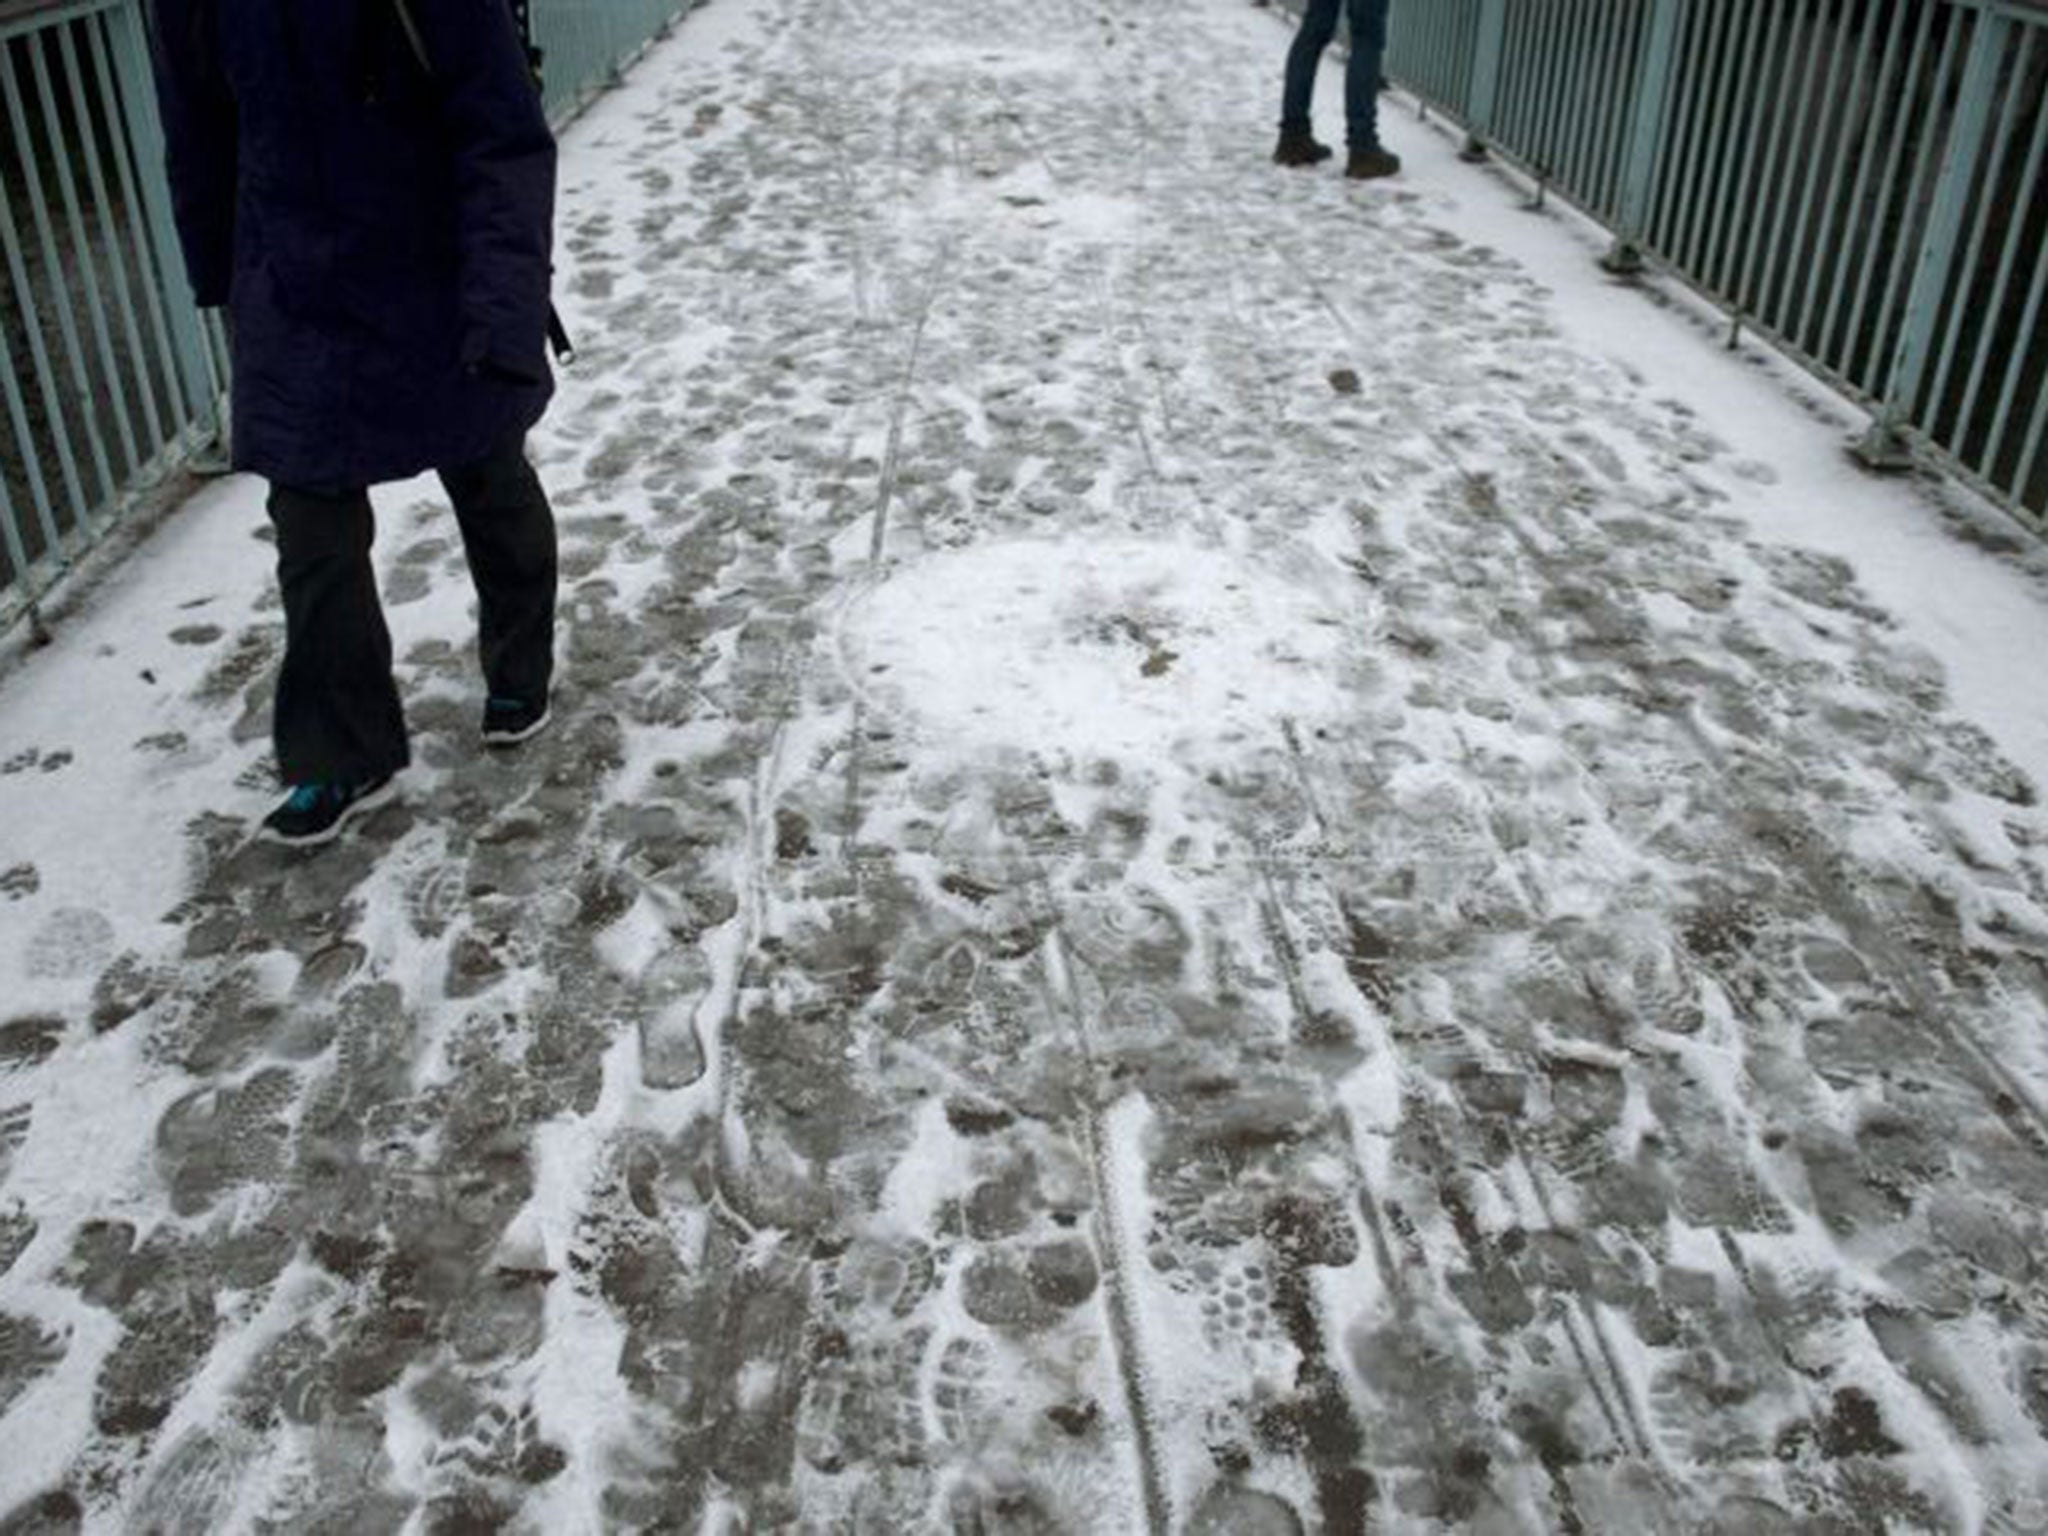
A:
(107, 373)
(109, 378)
(1863, 183)
(587, 44)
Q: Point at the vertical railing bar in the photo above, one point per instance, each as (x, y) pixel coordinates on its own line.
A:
(1745, 18)
(1435, 58)
(10, 532)
(1454, 95)
(1442, 69)
(126, 173)
(1458, 59)
(1717, 232)
(81, 107)
(1414, 46)
(1770, 202)
(1543, 66)
(1407, 51)
(1596, 100)
(1545, 87)
(17, 402)
(2037, 436)
(61, 302)
(1466, 51)
(39, 492)
(81, 247)
(2008, 396)
(1596, 44)
(1557, 124)
(1925, 309)
(1629, 62)
(1643, 138)
(220, 373)
(146, 134)
(1625, 71)
(1535, 72)
(1514, 71)
(1428, 56)
(1464, 56)
(1888, 191)
(2037, 154)
(1823, 44)
(1808, 131)
(1516, 66)
(1854, 221)
(1987, 207)
(1657, 222)
(45, 374)
(1492, 116)
(1705, 229)
(1411, 50)
(1577, 93)
(614, 44)
(1923, 159)
(1468, 57)
(111, 235)
(1712, 21)
(1846, 136)
(1746, 194)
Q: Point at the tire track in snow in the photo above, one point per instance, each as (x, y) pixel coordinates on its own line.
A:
(1113, 1237)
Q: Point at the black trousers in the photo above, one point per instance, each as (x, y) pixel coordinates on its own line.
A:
(338, 719)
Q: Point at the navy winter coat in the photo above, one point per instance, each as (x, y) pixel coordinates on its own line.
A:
(378, 226)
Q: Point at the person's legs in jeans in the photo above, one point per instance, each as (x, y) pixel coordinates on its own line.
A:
(1318, 26)
(337, 718)
(1362, 74)
(508, 530)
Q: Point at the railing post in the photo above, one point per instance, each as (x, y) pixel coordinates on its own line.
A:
(1885, 445)
(1492, 34)
(145, 137)
(1645, 139)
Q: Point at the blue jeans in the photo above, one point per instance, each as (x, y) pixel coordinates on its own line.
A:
(1361, 77)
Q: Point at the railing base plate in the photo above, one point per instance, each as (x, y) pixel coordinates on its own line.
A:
(1883, 449)
(1624, 259)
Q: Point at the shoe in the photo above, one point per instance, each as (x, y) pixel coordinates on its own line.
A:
(1370, 164)
(507, 722)
(313, 814)
(1298, 146)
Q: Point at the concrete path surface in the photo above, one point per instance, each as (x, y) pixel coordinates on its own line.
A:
(1218, 857)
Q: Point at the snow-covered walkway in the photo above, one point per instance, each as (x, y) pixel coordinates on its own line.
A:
(1224, 853)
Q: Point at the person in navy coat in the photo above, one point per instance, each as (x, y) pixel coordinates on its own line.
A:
(368, 187)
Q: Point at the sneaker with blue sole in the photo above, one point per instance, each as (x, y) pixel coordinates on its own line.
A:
(313, 814)
(507, 722)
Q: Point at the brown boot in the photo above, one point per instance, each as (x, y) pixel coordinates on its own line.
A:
(1370, 164)
(1299, 147)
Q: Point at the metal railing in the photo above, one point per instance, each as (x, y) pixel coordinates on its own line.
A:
(587, 44)
(1864, 183)
(109, 378)
(106, 371)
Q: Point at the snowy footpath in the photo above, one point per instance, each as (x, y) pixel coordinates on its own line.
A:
(1224, 853)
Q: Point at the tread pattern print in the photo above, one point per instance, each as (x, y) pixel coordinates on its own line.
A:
(1157, 902)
